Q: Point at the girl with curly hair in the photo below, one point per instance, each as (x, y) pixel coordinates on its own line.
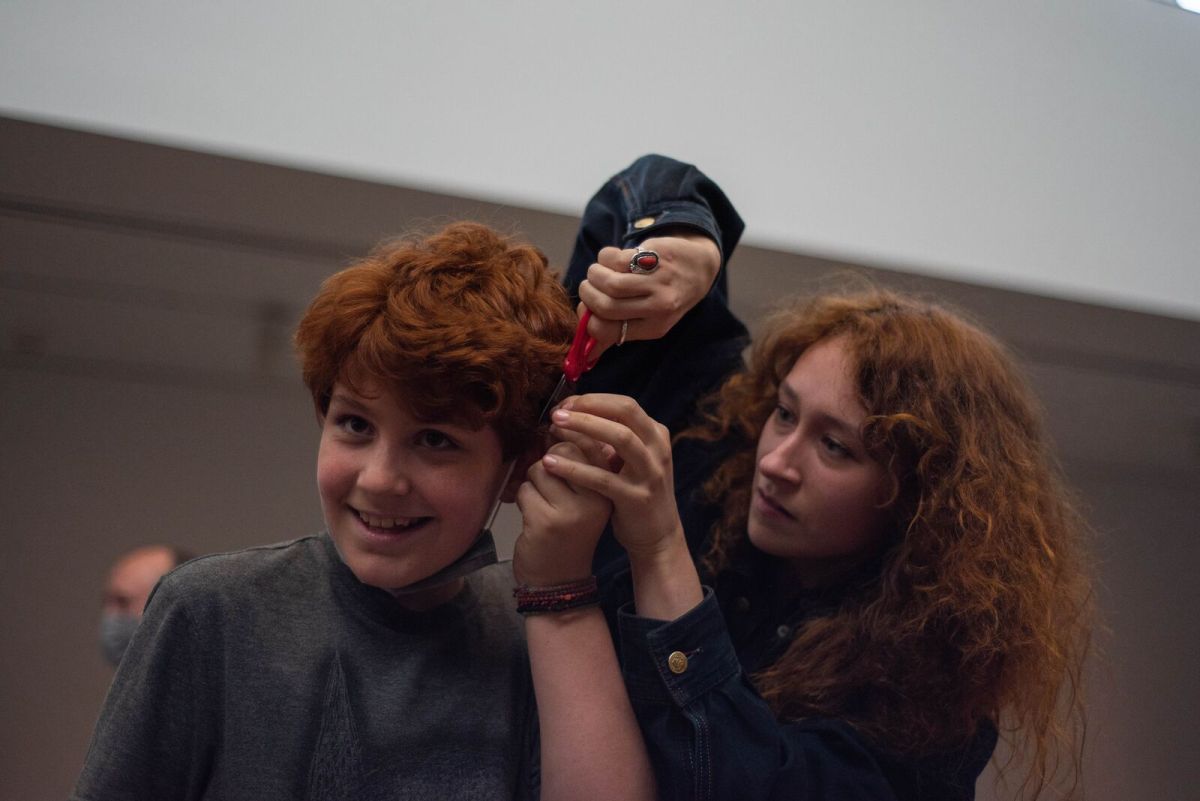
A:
(894, 572)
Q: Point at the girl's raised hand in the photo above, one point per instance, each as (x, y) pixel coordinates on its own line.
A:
(648, 305)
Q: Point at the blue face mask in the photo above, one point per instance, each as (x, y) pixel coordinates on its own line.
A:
(116, 630)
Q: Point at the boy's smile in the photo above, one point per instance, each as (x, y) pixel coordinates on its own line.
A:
(403, 498)
(389, 524)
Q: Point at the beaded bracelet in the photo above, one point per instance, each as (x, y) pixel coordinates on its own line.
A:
(558, 597)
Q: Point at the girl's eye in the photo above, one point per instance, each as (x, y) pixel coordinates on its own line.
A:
(353, 424)
(836, 448)
(784, 415)
(435, 440)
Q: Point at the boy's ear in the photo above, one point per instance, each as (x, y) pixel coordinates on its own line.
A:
(523, 462)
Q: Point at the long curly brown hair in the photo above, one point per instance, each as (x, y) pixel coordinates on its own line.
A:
(465, 324)
(982, 607)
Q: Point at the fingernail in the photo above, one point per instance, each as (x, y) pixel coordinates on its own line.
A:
(550, 461)
(561, 416)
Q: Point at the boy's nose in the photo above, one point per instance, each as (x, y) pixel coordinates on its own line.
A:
(385, 473)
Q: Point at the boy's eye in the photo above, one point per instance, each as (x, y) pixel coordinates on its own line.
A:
(353, 424)
(435, 440)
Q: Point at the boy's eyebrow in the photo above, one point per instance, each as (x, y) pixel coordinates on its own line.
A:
(355, 402)
(346, 399)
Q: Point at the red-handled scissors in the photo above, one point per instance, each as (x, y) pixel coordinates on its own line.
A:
(577, 362)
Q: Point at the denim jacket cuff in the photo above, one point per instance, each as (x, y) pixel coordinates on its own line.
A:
(673, 214)
(677, 660)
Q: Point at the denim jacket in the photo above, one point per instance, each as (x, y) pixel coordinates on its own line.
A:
(654, 196)
(712, 737)
(708, 732)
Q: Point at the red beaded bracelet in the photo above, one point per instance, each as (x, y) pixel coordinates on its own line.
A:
(558, 597)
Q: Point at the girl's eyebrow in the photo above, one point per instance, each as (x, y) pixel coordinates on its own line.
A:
(848, 432)
(843, 427)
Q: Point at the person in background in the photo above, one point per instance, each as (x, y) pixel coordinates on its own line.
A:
(130, 580)
(892, 571)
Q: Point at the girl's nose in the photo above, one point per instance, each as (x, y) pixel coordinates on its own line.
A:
(781, 462)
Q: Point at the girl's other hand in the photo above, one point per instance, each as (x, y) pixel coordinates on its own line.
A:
(629, 464)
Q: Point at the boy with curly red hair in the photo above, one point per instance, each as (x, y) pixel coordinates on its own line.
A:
(382, 658)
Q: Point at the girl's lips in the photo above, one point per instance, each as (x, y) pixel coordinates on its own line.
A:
(768, 506)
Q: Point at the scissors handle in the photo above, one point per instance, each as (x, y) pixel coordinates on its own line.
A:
(576, 363)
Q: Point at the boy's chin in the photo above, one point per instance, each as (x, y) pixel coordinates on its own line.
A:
(398, 577)
(393, 579)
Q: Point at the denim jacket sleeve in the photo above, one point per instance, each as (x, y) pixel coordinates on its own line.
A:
(668, 376)
(711, 737)
(654, 195)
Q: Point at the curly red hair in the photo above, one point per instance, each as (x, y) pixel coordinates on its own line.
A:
(982, 607)
(464, 325)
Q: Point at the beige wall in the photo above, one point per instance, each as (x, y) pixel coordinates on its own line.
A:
(146, 297)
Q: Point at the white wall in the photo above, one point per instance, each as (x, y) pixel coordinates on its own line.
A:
(1047, 146)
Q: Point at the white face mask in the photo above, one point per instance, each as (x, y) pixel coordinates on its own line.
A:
(116, 630)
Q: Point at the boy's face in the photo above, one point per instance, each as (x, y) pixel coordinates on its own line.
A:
(402, 498)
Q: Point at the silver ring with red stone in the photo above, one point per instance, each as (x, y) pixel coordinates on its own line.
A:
(643, 262)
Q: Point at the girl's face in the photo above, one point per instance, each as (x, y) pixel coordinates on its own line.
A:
(817, 495)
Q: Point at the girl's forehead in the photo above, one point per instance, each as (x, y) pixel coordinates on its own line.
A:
(824, 364)
(823, 376)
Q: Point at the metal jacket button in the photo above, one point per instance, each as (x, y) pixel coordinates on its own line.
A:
(677, 662)
(643, 222)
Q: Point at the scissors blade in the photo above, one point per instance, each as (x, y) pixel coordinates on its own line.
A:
(565, 387)
(577, 363)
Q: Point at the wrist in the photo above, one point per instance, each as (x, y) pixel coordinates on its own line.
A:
(543, 568)
(649, 555)
(557, 597)
(551, 577)
(665, 582)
